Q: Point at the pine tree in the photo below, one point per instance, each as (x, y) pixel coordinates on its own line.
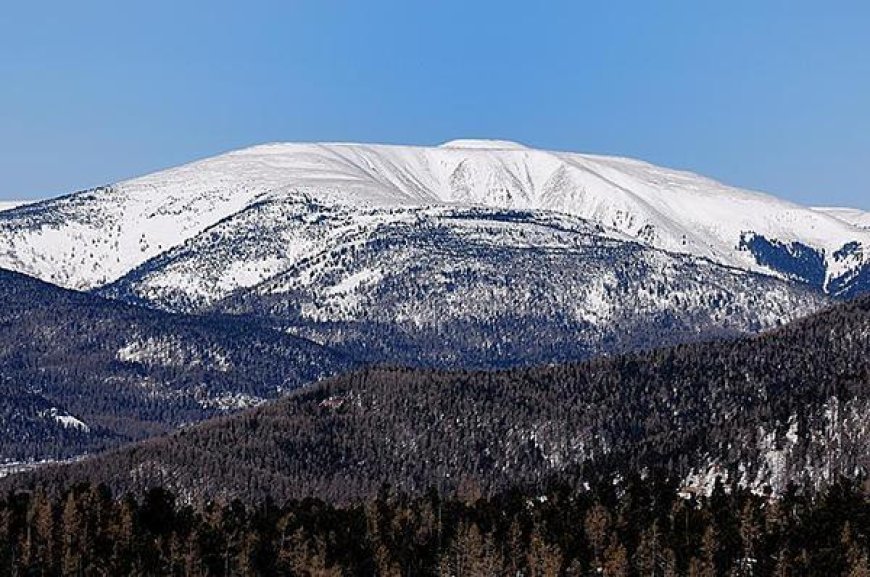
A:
(544, 559)
(471, 553)
(44, 533)
(669, 563)
(307, 557)
(7, 559)
(515, 548)
(648, 558)
(750, 533)
(616, 560)
(706, 565)
(72, 530)
(122, 531)
(377, 524)
(597, 526)
(856, 559)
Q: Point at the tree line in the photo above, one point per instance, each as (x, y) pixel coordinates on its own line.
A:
(639, 527)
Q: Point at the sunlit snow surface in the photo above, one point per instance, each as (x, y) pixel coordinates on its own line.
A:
(859, 218)
(319, 191)
(10, 204)
(64, 419)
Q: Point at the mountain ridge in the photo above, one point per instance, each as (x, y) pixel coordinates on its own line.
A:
(80, 373)
(388, 252)
(664, 208)
(788, 406)
(430, 285)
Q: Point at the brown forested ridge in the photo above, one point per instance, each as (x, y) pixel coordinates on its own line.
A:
(641, 528)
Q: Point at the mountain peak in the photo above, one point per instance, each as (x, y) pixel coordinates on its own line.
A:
(484, 144)
(664, 209)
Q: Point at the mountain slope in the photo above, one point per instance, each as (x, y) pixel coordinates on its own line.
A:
(107, 232)
(790, 405)
(80, 373)
(859, 218)
(457, 287)
(10, 204)
(472, 254)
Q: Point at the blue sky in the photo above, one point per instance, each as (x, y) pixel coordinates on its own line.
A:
(768, 95)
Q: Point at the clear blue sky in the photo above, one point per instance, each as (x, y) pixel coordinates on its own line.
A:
(764, 94)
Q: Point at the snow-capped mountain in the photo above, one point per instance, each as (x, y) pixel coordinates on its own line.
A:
(475, 254)
(105, 233)
(471, 253)
(457, 286)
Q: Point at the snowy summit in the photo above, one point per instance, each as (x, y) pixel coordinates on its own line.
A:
(95, 237)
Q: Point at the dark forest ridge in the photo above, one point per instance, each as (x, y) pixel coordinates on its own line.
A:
(79, 373)
(788, 406)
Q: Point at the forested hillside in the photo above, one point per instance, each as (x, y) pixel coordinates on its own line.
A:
(79, 373)
(791, 405)
(639, 529)
(480, 288)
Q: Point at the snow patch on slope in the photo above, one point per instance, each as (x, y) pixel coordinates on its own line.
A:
(66, 420)
(171, 352)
